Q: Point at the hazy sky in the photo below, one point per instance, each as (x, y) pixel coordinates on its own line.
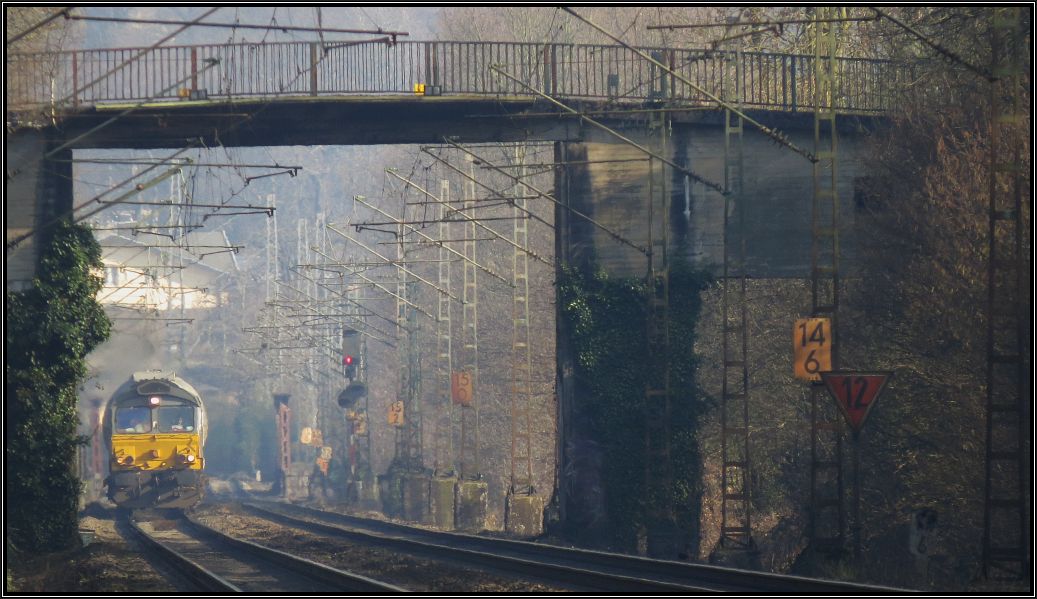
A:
(419, 22)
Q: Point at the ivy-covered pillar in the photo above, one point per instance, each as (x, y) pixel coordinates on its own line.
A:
(50, 328)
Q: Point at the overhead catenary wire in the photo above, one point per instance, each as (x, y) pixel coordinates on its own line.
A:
(273, 26)
(313, 303)
(138, 56)
(140, 187)
(711, 184)
(392, 294)
(936, 46)
(553, 200)
(159, 161)
(439, 243)
(396, 262)
(195, 143)
(762, 23)
(465, 216)
(499, 194)
(769, 132)
(62, 11)
(211, 62)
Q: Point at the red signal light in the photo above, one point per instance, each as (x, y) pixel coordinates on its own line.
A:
(347, 360)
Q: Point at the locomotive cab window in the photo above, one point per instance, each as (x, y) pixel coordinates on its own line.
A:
(166, 415)
(133, 419)
(177, 418)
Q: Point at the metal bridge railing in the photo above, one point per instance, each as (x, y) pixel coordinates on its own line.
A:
(74, 79)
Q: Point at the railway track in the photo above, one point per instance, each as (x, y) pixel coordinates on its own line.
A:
(577, 568)
(569, 576)
(212, 561)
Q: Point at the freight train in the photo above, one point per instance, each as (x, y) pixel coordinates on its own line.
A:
(155, 426)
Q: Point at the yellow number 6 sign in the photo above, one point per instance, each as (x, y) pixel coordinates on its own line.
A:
(812, 348)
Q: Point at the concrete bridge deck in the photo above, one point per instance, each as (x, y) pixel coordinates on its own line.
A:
(362, 120)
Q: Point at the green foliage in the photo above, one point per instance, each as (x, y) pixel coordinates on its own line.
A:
(606, 318)
(50, 328)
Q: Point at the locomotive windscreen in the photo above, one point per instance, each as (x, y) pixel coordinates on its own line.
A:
(155, 414)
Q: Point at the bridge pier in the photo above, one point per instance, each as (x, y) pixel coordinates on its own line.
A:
(471, 505)
(441, 502)
(416, 497)
(605, 181)
(38, 190)
(524, 515)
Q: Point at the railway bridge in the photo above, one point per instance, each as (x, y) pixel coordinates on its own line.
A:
(598, 103)
(306, 93)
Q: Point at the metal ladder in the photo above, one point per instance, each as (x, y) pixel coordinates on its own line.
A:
(469, 442)
(1005, 538)
(444, 440)
(827, 510)
(658, 459)
(408, 448)
(735, 511)
(521, 364)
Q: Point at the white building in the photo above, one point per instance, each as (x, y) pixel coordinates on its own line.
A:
(150, 272)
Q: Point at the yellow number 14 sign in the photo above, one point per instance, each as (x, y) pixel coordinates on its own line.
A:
(812, 348)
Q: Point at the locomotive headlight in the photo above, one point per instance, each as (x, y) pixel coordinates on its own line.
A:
(154, 400)
(190, 459)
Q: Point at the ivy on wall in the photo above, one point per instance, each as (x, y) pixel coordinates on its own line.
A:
(606, 318)
(50, 328)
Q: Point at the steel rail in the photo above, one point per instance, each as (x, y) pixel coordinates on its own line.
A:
(569, 575)
(344, 580)
(190, 570)
(707, 577)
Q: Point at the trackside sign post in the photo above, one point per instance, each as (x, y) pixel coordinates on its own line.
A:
(856, 393)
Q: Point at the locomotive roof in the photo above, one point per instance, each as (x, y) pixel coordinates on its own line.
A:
(166, 382)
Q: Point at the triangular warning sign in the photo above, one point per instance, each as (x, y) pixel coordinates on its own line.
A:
(855, 392)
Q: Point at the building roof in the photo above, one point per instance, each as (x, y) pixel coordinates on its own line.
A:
(205, 257)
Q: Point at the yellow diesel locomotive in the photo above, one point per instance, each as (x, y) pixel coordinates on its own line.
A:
(155, 426)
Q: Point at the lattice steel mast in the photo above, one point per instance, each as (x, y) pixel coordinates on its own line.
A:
(408, 437)
(521, 363)
(658, 466)
(469, 442)
(1005, 538)
(827, 511)
(444, 440)
(735, 522)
